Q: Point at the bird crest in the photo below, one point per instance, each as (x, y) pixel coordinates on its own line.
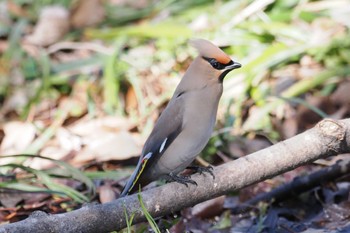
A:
(209, 50)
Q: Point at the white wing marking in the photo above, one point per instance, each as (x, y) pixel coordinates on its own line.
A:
(148, 155)
(162, 146)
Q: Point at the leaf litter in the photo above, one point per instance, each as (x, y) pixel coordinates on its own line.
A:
(295, 55)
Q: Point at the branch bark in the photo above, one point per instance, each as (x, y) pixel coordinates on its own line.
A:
(327, 138)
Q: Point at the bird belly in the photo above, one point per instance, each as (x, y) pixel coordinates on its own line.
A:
(181, 153)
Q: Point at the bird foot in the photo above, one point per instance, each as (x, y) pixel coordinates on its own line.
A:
(201, 170)
(185, 180)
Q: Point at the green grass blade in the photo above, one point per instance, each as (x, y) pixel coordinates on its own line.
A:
(55, 187)
(25, 187)
(148, 31)
(149, 218)
(112, 175)
(113, 72)
(69, 170)
(307, 105)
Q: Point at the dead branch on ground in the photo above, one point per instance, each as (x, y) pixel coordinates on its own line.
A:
(298, 185)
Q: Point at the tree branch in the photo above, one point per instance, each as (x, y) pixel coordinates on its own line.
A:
(329, 137)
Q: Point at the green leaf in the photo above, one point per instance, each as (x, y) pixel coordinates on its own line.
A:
(113, 72)
(45, 177)
(113, 175)
(161, 30)
(24, 187)
(149, 218)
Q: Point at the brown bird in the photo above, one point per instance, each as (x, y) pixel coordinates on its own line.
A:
(186, 124)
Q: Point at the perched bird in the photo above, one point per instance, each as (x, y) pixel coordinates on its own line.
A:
(186, 124)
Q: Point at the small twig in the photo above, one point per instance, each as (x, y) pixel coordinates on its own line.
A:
(202, 162)
(298, 185)
(253, 8)
(79, 46)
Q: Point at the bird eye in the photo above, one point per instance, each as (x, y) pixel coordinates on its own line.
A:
(215, 64)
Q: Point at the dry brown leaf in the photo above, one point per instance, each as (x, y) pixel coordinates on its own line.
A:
(12, 198)
(53, 152)
(18, 136)
(104, 139)
(53, 24)
(9, 200)
(16, 101)
(210, 208)
(67, 140)
(15, 9)
(105, 146)
(285, 121)
(244, 146)
(341, 95)
(324, 30)
(289, 127)
(179, 227)
(107, 193)
(307, 117)
(87, 13)
(86, 126)
(131, 100)
(340, 113)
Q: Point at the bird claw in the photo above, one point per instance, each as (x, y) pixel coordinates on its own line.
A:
(185, 180)
(201, 170)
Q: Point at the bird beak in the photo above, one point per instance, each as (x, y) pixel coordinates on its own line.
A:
(234, 65)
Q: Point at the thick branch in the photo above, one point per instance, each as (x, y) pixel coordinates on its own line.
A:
(327, 138)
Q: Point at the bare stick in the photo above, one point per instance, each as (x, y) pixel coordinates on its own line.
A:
(329, 137)
(298, 185)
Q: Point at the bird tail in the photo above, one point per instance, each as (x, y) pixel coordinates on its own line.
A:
(136, 178)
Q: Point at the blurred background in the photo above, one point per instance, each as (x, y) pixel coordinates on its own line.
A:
(82, 83)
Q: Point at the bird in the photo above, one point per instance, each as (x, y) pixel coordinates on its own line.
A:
(185, 126)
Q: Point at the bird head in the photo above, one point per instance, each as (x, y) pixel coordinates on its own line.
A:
(216, 60)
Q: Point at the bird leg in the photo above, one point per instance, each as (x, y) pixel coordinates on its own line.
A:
(185, 180)
(201, 170)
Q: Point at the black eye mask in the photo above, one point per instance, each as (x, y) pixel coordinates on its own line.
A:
(217, 65)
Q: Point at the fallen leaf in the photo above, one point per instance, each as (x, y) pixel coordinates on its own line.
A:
(87, 13)
(53, 24)
(87, 127)
(107, 193)
(53, 152)
(244, 146)
(67, 140)
(341, 95)
(131, 104)
(14, 9)
(9, 200)
(105, 146)
(306, 117)
(210, 208)
(18, 136)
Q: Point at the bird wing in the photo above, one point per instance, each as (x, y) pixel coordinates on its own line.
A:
(167, 128)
